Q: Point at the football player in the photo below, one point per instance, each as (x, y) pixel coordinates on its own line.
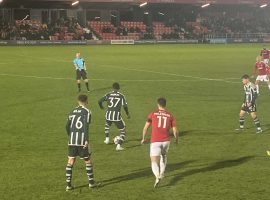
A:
(263, 72)
(115, 101)
(249, 105)
(162, 121)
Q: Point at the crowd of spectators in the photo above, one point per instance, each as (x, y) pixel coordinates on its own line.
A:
(206, 24)
(62, 29)
(232, 26)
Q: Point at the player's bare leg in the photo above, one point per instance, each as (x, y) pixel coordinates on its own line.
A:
(257, 86)
(268, 83)
(79, 85)
(69, 167)
(163, 163)
(256, 122)
(155, 161)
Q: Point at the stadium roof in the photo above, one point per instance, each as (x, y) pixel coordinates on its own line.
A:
(67, 3)
(152, 1)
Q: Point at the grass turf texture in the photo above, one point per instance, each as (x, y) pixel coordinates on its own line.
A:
(201, 86)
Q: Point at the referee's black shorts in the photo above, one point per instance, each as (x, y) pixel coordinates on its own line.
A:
(81, 74)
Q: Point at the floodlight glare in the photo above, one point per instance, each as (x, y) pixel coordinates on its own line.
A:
(75, 3)
(143, 4)
(205, 5)
(263, 5)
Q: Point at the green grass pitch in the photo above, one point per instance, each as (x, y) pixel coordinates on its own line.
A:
(203, 91)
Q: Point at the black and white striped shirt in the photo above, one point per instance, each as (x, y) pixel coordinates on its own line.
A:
(250, 93)
(115, 100)
(77, 126)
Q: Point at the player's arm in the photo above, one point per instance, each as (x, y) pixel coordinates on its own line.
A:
(68, 126)
(75, 65)
(244, 100)
(125, 106)
(175, 131)
(86, 123)
(176, 135)
(145, 128)
(126, 110)
(100, 102)
(84, 65)
(253, 96)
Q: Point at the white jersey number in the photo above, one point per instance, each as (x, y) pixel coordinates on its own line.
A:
(160, 120)
(78, 123)
(112, 103)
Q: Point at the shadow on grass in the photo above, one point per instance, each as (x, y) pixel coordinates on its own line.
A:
(143, 173)
(213, 167)
(140, 173)
(266, 127)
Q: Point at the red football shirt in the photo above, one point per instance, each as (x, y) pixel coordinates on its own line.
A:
(161, 121)
(265, 53)
(262, 68)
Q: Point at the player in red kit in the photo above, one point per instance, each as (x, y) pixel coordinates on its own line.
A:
(162, 121)
(263, 72)
(265, 53)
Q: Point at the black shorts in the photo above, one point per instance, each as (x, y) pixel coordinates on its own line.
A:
(119, 124)
(74, 151)
(81, 74)
(249, 109)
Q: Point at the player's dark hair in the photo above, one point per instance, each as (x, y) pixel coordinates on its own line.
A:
(82, 98)
(162, 102)
(116, 86)
(245, 76)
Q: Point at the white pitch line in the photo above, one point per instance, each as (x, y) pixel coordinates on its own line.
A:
(172, 74)
(38, 77)
(232, 78)
(62, 78)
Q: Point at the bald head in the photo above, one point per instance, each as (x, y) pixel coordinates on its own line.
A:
(78, 55)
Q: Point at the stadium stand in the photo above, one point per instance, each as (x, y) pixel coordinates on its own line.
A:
(217, 22)
(126, 31)
(35, 30)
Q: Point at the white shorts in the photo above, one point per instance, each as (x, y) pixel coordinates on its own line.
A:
(266, 61)
(159, 148)
(262, 78)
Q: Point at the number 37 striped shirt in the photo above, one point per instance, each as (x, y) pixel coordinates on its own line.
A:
(115, 101)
